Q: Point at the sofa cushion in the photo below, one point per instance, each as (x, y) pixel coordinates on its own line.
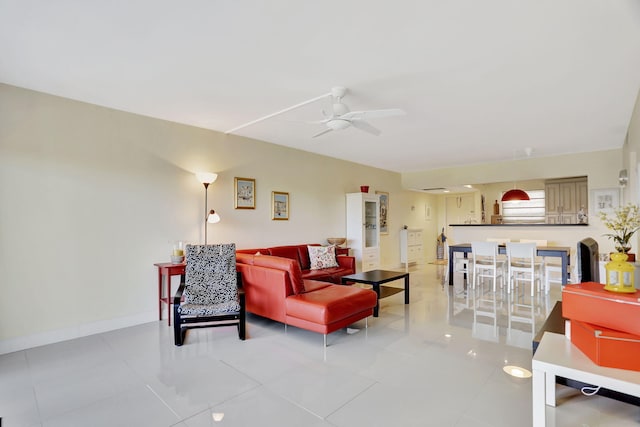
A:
(292, 267)
(261, 251)
(303, 253)
(244, 258)
(330, 303)
(333, 274)
(314, 285)
(322, 257)
(290, 252)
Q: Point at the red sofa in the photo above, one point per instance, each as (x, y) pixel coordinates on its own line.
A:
(274, 288)
(300, 253)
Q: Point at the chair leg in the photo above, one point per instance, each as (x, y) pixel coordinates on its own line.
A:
(366, 323)
(325, 340)
(178, 336)
(242, 325)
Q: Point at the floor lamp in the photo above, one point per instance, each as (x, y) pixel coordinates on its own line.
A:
(210, 216)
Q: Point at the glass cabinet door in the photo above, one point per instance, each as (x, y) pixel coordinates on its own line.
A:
(370, 224)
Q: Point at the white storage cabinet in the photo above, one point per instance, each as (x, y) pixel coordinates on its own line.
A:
(411, 250)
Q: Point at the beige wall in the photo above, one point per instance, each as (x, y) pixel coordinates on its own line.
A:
(630, 158)
(601, 168)
(92, 197)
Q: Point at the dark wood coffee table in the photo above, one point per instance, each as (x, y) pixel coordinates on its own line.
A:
(376, 278)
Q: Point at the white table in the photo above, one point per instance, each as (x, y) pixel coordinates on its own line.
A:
(557, 356)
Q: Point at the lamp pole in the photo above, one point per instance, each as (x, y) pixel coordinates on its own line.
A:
(206, 203)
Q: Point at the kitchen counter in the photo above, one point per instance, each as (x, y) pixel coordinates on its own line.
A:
(517, 225)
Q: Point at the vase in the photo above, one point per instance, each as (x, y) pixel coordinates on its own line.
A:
(623, 247)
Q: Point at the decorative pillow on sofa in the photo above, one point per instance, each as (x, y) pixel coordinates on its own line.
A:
(322, 257)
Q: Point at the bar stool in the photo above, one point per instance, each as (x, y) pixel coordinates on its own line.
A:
(553, 273)
(522, 265)
(486, 263)
(540, 259)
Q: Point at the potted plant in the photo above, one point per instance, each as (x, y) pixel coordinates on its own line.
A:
(623, 223)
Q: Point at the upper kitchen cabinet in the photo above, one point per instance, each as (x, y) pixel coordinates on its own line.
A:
(566, 200)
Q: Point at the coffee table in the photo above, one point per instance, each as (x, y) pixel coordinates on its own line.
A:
(376, 278)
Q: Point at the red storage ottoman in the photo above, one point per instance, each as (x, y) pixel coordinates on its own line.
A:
(589, 302)
(607, 347)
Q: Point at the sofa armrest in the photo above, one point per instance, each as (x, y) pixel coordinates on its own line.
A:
(346, 261)
(266, 290)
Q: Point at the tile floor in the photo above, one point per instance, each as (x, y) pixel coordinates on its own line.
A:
(435, 362)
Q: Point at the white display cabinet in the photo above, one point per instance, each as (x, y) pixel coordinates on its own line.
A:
(363, 229)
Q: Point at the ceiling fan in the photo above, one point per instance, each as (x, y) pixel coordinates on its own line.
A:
(341, 117)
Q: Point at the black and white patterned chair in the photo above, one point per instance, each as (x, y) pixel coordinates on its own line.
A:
(212, 291)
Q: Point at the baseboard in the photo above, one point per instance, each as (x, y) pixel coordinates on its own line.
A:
(29, 341)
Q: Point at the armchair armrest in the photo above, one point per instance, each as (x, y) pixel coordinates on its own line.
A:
(178, 296)
(241, 292)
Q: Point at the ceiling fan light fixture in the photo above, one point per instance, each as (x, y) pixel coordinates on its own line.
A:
(515, 195)
(338, 124)
(339, 109)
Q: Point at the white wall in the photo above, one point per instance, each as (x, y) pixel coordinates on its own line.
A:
(91, 197)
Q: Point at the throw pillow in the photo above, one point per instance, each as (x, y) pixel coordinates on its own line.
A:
(322, 257)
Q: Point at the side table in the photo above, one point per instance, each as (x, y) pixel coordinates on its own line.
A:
(556, 356)
(345, 251)
(165, 271)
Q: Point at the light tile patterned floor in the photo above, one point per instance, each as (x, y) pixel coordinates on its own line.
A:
(435, 362)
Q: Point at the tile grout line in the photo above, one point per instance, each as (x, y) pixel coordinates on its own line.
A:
(163, 401)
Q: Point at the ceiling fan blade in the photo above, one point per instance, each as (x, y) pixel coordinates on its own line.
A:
(362, 125)
(322, 133)
(373, 114)
(318, 122)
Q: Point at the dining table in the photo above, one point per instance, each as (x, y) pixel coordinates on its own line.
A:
(562, 252)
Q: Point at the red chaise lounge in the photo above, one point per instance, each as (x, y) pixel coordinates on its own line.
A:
(275, 288)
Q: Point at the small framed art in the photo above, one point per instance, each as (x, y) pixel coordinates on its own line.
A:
(604, 200)
(245, 191)
(279, 205)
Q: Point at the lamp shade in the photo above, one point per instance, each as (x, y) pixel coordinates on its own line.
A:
(514, 195)
(213, 217)
(206, 177)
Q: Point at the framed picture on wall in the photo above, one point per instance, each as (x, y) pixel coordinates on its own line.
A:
(245, 191)
(384, 211)
(604, 200)
(427, 212)
(279, 205)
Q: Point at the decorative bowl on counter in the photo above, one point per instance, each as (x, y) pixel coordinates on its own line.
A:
(336, 240)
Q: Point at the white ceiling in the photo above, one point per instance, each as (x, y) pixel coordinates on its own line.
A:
(480, 80)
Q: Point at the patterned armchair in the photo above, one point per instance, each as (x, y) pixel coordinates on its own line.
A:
(212, 291)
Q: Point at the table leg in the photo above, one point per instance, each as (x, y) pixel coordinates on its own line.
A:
(550, 389)
(159, 294)
(450, 266)
(406, 289)
(376, 287)
(538, 391)
(168, 299)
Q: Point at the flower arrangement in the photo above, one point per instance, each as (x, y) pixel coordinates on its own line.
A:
(624, 223)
